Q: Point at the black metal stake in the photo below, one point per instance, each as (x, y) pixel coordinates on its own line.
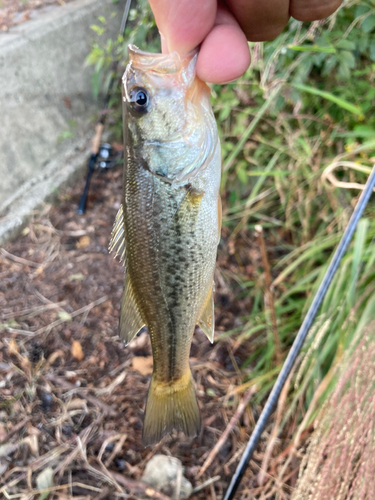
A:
(90, 169)
(300, 339)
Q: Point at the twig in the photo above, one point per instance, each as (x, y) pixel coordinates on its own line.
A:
(121, 438)
(15, 429)
(303, 425)
(54, 488)
(38, 464)
(275, 431)
(33, 311)
(138, 487)
(108, 410)
(72, 315)
(19, 260)
(81, 441)
(43, 298)
(268, 296)
(106, 391)
(103, 475)
(329, 176)
(233, 421)
(205, 484)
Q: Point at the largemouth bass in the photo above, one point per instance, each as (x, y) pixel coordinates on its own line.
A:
(168, 227)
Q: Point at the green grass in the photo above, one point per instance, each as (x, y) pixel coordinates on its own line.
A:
(288, 121)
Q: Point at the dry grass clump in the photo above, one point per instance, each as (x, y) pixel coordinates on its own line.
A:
(340, 460)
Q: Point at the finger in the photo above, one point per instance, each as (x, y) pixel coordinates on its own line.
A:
(260, 20)
(312, 10)
(184, 23)
(224, 54)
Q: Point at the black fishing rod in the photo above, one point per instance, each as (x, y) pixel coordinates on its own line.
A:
(96, 148)
(300, 339)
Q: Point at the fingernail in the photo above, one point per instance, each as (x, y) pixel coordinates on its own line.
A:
(229, 81)
(164, 44)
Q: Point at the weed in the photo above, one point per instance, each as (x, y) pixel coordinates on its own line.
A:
(340, 462)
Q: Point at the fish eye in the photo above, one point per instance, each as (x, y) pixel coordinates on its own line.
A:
(139, 99)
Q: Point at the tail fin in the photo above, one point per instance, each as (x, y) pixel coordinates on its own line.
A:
(171, 405)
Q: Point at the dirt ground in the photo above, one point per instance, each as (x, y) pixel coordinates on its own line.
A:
(72, 395)
(14, 12)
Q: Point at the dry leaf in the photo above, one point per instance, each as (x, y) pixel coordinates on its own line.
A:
(13, 347)
(117, 146)
(143, 364)
(83, 242)
(65, 316)
(44, 481)
(76, 404)
(3, 432)
(77, 277)
(77, 351)
(8, 448)
(32, 441)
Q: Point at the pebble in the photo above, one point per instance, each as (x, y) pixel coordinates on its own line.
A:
(166, 475)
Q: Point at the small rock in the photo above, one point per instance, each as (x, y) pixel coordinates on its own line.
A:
(162, 473)
(47, 401)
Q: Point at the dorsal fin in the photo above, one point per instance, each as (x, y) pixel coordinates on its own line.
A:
(117, 242)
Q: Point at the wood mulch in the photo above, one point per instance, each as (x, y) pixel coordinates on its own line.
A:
(13, 12)
(72, 395)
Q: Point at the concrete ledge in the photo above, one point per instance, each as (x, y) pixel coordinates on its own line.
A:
(45, 91)
(42, 188)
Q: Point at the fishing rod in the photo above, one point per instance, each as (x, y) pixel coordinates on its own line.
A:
(300, 338)
(98, 150)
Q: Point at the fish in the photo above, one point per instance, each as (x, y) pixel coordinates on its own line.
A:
(168, 227)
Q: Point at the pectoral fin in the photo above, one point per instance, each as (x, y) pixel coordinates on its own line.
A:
(188, 210)
(130, 317)
(207, 319)
(117, 242)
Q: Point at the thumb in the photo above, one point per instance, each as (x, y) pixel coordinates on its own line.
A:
(184, 24)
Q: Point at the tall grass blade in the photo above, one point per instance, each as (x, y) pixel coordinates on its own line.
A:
(330, 97)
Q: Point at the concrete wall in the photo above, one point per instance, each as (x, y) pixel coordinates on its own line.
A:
(45, 91)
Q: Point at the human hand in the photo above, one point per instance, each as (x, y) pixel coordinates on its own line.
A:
(222, 30)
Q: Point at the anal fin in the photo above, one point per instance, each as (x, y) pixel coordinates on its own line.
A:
(130, 317)
(207, 318)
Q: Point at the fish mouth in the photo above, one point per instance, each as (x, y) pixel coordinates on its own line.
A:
(160, 63)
